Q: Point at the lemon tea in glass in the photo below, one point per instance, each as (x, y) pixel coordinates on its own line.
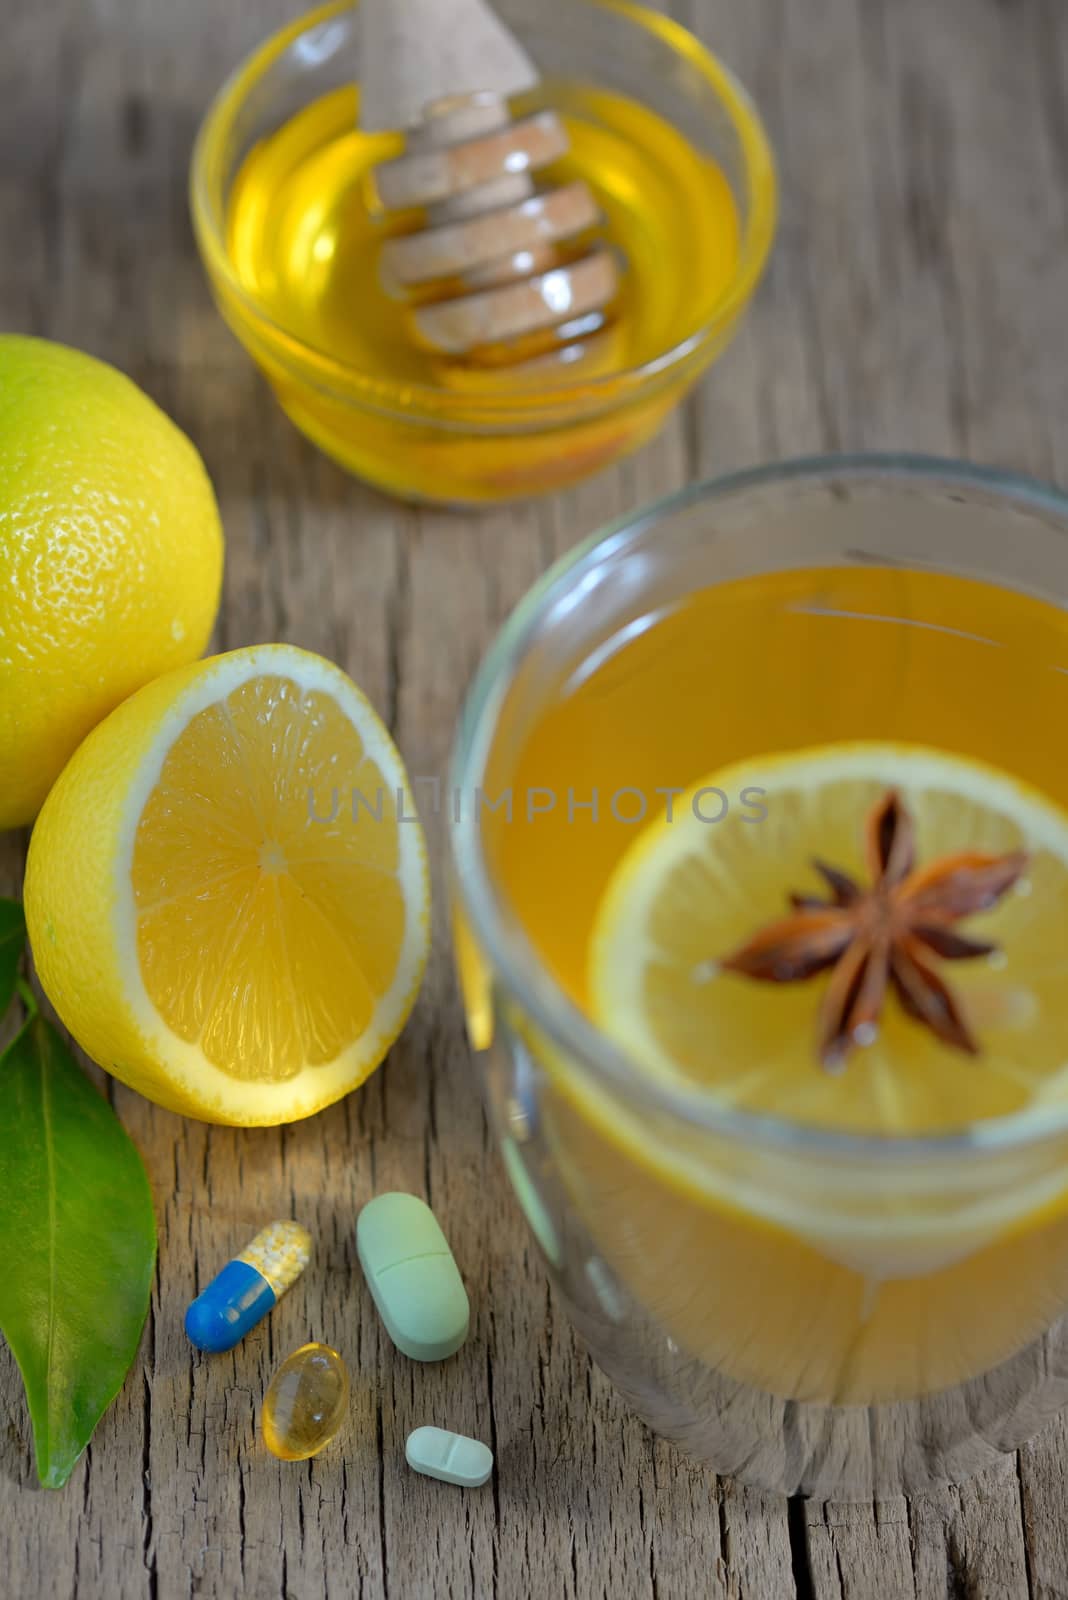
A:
(761, 886)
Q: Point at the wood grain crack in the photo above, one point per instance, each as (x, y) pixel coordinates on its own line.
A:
(800, 1558)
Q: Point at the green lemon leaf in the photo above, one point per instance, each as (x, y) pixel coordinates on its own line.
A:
(12, 944)
(78, 1239)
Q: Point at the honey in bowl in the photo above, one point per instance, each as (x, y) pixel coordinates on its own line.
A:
(303, 232)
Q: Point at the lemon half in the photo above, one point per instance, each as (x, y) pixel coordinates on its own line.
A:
(226, 894)
(688, 892)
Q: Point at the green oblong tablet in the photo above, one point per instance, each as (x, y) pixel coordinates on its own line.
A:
(412, 1276)
(452, 1457)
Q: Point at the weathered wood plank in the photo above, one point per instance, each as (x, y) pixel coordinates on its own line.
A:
(916, 299)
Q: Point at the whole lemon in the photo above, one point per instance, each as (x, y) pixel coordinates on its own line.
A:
(110, 556)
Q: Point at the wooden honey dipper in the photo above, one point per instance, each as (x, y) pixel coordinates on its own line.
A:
(504, 255)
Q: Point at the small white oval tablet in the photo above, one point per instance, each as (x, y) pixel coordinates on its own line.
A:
(452, 1457)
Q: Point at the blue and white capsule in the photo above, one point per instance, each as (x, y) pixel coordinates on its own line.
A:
(248, 1287)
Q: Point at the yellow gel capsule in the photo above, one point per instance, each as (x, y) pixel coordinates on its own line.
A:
(306, 1402)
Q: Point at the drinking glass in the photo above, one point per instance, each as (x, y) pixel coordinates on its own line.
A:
(835, 1313)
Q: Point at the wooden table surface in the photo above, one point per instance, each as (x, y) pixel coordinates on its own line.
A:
(918, 297)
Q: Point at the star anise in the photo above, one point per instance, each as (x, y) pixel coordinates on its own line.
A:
(883, 937)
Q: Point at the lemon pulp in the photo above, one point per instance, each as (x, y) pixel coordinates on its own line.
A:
(290, 925)
(688, 891)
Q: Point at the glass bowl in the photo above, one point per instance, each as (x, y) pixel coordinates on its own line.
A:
(458, 446)
(811, 1309)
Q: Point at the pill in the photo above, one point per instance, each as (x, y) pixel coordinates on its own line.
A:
(452, 1457)
(305, 1403)
(412, 1276)
(248, 1287)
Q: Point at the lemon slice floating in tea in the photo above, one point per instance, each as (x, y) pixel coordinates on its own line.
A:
(689, 895)
(227, 904)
